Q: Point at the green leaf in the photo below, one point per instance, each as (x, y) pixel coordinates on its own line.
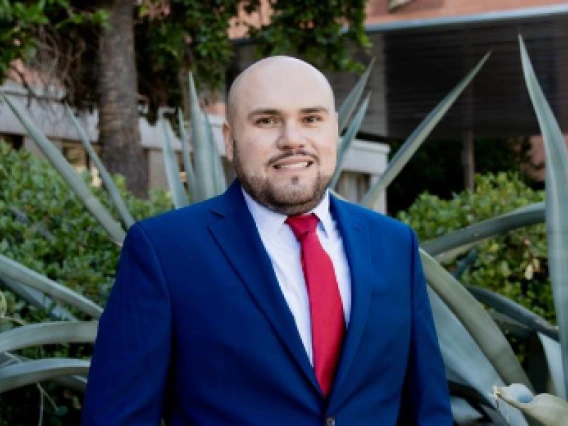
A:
(464, 361)
(202, 148)
(417, 137)
(217, 164)
(556, 202)
(474, 234)
(18, 272)
(545, 408)
(348, 139)
(352, 99)
(172, 168)
(514, 310)
(476, 320)
(79, 187)
(78, 383)
(554, 360)
(48, 333)
(29, 372)
(188, 165)
(38, 299)
(110, 186)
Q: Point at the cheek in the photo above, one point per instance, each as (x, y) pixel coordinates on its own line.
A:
(254, 155)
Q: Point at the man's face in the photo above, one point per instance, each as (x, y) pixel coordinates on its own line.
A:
(282, 138)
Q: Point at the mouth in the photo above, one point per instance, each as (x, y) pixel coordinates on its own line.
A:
(294, 162)
(297, 165)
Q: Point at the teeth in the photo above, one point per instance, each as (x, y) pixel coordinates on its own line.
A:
(294, 165)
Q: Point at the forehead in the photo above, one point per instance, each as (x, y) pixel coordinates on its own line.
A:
(283, 87)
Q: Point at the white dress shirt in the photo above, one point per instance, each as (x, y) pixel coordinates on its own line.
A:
(284, 251)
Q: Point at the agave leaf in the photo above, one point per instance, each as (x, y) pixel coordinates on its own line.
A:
(37, 299)
(464, 264)
(417, 137)
(553, 356)
(548, 409)
(29, 372)
(348, 139)
(514, 310)
(20, 273)
(110, 186)
(202, 149)
(556, 201)
(463, 412)
(476, 320)
(188, 165)
(450, 255)
(78, 383)
(217, 165)
(478, 232)
(463, 359)
(352, 99)
(45, 333)
(79, 187)
(172, 169)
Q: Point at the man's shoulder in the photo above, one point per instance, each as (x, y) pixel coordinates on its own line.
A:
(193, 215)
(373, 218)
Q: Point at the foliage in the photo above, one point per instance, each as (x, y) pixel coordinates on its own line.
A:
(173, 36)
(193, 35)
(514, 264)
(444, 174)
(44, 226)
(20, 21)
(314, 30)
(37, 203)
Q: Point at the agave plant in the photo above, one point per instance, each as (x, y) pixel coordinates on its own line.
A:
(478, 358)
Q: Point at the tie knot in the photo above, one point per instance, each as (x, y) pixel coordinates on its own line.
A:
(302, 225)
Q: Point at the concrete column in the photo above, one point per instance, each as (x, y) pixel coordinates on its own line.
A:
(157, 172)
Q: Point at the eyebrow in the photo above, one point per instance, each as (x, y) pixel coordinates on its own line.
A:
(272, 111)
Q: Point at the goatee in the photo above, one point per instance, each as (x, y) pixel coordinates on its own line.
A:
(294, 199)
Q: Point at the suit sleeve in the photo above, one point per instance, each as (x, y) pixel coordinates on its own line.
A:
(425, 399)
(129, 368)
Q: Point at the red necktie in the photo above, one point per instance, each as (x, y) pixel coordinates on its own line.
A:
(326, 309)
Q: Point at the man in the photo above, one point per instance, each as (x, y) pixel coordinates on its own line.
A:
(274, 303)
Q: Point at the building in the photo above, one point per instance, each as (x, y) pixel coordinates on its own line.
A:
(422, 49)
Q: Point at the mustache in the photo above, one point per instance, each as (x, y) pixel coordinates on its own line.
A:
(292, 153)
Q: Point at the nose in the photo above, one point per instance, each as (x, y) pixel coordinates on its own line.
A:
(291, 136)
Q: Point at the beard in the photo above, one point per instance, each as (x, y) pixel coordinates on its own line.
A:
(291, 199)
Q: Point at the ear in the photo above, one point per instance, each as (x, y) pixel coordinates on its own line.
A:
(229, 141)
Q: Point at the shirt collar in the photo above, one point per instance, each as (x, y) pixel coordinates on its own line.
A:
(270, 221)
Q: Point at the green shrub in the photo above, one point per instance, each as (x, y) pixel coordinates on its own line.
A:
(514, 265)
(45, 227)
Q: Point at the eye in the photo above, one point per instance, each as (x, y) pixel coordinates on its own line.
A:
(312, 119)
(266, 121)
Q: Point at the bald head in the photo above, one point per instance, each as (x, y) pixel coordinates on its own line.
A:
(276, 70)
(281, 134)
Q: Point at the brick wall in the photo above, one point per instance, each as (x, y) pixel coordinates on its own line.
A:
(377, 10)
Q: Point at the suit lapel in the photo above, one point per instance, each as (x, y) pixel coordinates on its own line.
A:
(358, 251)
(238, 237)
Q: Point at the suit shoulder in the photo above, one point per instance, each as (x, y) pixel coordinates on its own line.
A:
(194, 214)
(375, 218)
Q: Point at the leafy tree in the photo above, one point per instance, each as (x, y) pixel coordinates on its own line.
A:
(140, 55)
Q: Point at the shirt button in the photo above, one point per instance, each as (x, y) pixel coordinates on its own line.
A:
(330, 421)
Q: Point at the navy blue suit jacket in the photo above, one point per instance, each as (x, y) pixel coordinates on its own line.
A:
(197, 331)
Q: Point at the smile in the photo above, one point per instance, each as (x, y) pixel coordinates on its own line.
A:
(291, 166)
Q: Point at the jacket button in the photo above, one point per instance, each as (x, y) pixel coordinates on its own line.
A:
(330, 421)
